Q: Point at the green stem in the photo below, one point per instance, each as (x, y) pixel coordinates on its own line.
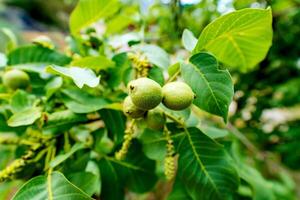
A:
(175, 119)
(172, 78)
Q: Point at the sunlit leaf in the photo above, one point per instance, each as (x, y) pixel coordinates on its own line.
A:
(20, 101)
(94, 62)
(89, 11)
(80, 76)
(25, 117)
(240, 39)
(188, 40)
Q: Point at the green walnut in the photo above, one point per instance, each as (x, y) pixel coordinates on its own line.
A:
(15, 79)
(130, 110)
(145, 93)
(155, 119)
(177, 95)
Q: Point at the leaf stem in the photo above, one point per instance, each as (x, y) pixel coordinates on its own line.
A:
(172, 78)
(175, 119)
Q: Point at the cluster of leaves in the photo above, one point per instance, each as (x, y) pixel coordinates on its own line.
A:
(70, 121)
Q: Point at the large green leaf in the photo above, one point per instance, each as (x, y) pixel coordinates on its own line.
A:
(240, 39)
(37, 56)
(54, 186)
(20, 101)
(24, 117)
(80, 76)
(118, 23)
(179, 191)
(86, 181)
(205, 168)
(154, 144)
(111, 180)
(76, 101)
(136, 173)
(115, 123)
(94, 62)
(90, 11)
(213, 87)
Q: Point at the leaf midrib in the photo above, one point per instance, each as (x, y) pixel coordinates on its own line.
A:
(208, 85)
(200, 163)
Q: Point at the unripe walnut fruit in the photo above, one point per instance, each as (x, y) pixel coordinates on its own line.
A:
(15, 79)
(130, 110)
(177, 95)
(155, 119)
(145, 93)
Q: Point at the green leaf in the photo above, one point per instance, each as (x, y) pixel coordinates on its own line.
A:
(36, 55)
(136, 173)
(213, 87)
(214, 132)
(61, 158)
(111, 180)
(90, 11)
(240, 39)
(116, 74)
(20, 101)
(25, 117)
(205, 168)
(76, 101)
(154, 144)
(155, 55)
(94, 62)
(11, 39)
(118, 23)
(188, 40)
(53, 86)
(115, 123)
(64, 117)
(86, 181)
(179, 191)
(173, 69)
(54, 186)
(80, 76)
(157, 75)
(3, 60)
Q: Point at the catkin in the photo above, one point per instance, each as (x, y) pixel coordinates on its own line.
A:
(169, 163)
(140, 63)
(17, 165)
(121, 154)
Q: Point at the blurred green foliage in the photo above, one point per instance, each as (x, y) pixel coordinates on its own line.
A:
(266, 98)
